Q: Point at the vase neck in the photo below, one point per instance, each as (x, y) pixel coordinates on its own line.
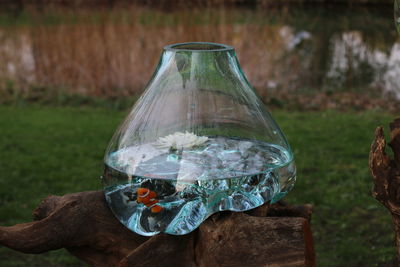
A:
(199, 65)
(205, 57)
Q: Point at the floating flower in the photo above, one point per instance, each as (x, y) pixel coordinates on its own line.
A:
(180, 140)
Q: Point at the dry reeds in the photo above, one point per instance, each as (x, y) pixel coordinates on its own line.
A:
(114, 53)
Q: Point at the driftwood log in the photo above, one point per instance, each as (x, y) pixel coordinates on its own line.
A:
(83, 224)
(386, 175)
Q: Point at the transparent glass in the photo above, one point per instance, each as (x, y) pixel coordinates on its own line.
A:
(198, 141)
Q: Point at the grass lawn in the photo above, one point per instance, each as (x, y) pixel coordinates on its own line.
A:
(54, 150)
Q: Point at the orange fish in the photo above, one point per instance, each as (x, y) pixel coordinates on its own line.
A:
(148, 198)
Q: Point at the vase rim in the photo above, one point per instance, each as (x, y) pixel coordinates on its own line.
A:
(198, 47)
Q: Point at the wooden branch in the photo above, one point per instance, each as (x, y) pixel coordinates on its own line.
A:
(83, 224)
(386, 174)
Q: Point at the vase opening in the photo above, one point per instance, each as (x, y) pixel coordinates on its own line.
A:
(198, 47)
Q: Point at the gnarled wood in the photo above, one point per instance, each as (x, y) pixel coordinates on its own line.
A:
(83, 224)
(386, 174)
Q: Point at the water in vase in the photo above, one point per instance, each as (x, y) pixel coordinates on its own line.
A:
(152, 189)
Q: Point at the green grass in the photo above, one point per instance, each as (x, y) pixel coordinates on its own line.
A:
(54, 150)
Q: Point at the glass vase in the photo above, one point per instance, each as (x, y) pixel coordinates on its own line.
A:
(198, 141)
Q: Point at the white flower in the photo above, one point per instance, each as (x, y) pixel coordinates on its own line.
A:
(180, 140)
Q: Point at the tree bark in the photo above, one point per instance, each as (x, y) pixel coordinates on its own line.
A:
(83, 224)
(386, 175)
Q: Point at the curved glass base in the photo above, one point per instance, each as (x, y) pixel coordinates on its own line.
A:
(180, 207)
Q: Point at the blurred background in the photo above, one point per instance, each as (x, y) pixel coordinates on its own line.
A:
(296, 56)
(328, 70)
